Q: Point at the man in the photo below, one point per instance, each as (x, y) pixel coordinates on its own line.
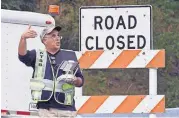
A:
(52, 101)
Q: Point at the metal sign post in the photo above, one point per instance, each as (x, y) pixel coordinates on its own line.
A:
(152, 85)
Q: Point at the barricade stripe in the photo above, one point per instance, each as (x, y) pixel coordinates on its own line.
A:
(80, 100)
(124, 59)
(105, 60)
(160, 107)
(111, 104)
(158, 60)
(129, 104)
(143, 58)
(121, 59)
(92, 104)
(78, 55)
(148, 103)
(88, 58)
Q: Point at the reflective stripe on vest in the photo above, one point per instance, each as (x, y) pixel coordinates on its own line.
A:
(63, 87)
(38, 83)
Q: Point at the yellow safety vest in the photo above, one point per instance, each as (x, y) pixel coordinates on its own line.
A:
(43, 89)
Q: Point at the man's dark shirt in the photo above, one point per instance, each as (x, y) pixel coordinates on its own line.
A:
(29, 60)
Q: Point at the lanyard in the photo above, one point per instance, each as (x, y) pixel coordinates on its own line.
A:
(53, 71)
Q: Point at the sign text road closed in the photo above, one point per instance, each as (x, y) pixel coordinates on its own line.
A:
(115, 27)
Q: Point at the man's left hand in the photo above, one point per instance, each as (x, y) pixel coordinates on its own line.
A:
(77, 81)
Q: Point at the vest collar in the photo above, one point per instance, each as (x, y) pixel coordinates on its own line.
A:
(53, 54)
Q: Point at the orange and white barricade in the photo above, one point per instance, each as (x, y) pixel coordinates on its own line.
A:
(121, 59)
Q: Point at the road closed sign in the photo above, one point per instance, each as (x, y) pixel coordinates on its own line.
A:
(115, 27)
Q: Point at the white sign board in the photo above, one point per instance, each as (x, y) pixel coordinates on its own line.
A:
(115, 27)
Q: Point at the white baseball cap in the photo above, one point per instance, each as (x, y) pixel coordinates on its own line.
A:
(48, 30)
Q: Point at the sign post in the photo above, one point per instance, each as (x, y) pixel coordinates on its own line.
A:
(152, 85)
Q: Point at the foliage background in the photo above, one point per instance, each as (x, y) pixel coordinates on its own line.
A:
(120, 81)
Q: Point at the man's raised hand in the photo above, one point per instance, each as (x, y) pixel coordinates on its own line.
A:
(29, 33)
